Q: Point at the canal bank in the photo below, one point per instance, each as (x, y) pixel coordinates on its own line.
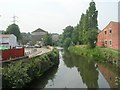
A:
(18, 74)
(73, 71)
(98, 54)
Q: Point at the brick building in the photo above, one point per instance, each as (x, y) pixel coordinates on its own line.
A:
(110, 36)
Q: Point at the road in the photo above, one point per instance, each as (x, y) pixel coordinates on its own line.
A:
(32, 52)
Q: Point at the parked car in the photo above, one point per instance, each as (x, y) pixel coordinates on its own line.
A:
(19, 46)
(37, 46)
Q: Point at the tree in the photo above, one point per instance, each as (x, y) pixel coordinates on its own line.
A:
(75, 35)
(88, 26)
(67, 35)
(2, 32)
(14, 29)
(81, 28)
(67, 42)
(47, 39)
(26, 37)
(91, 24)
(68, 32)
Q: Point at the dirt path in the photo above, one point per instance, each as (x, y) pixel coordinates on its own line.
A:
(32, 52)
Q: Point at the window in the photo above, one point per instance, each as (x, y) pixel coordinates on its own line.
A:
(110, 31)
(105, 32)
(110, 42)
(105, 42)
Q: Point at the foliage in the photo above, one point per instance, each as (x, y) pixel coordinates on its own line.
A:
(48, 39)
(14, 29)
(67, 42)
(26, 37)
(99, 54)
(84, 33)
(2, 32)
(17, 74)
(75, 35)
(88, 26)
(67, 34)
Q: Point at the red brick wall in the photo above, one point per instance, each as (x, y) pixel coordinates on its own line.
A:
(110, 37)
(12, 53)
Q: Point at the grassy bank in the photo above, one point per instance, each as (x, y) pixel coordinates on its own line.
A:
(17, 74)
(99, 54)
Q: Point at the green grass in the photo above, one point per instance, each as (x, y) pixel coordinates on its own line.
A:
(99, 54)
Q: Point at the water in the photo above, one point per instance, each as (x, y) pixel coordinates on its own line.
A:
(73, 72)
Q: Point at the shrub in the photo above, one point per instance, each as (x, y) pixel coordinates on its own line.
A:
(17, 74)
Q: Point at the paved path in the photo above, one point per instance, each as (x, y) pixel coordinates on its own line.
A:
(32, 52)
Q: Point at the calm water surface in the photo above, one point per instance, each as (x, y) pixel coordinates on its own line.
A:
(72, 72)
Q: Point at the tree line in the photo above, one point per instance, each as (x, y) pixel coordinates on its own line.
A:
(85, 32)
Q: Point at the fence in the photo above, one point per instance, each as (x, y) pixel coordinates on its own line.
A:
(12, 53)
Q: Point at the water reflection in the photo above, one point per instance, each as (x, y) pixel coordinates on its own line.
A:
(73, 72)
(86, 68)
(44, 80)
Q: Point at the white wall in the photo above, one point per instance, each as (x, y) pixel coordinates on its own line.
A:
(12, 41)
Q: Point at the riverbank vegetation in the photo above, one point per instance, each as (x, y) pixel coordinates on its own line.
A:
(18, 74)
(99, 54)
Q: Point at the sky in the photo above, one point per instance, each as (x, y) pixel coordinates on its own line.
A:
(53, 15)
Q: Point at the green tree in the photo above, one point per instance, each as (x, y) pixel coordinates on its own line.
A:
(75, 35)
(67, 42)
(14, 29)
(67, 32)
(88, 26)
(92, 23)
(47, 39)
(67, 35)
(26, 37)
(81, 28)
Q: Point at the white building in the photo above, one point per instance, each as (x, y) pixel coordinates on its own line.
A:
(8, 40)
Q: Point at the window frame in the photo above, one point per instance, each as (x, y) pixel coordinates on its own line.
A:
(110, 42)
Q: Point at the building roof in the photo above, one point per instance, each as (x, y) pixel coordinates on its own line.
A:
(39, 30)
(6, 35)
(112, 22)
(55, 34)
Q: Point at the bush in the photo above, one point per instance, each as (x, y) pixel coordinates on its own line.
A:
(17, 74)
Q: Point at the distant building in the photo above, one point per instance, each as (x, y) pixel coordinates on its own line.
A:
(55, 37)
(110, 36)
(8, 40)
(38, 35)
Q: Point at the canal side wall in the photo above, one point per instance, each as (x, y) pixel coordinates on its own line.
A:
(19, 73)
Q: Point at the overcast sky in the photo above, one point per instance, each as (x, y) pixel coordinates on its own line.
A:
(53, 15)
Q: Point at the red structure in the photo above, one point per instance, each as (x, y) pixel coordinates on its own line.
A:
(12, 53)
(110, 36)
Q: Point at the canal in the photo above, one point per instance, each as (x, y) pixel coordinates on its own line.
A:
(75, 72)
